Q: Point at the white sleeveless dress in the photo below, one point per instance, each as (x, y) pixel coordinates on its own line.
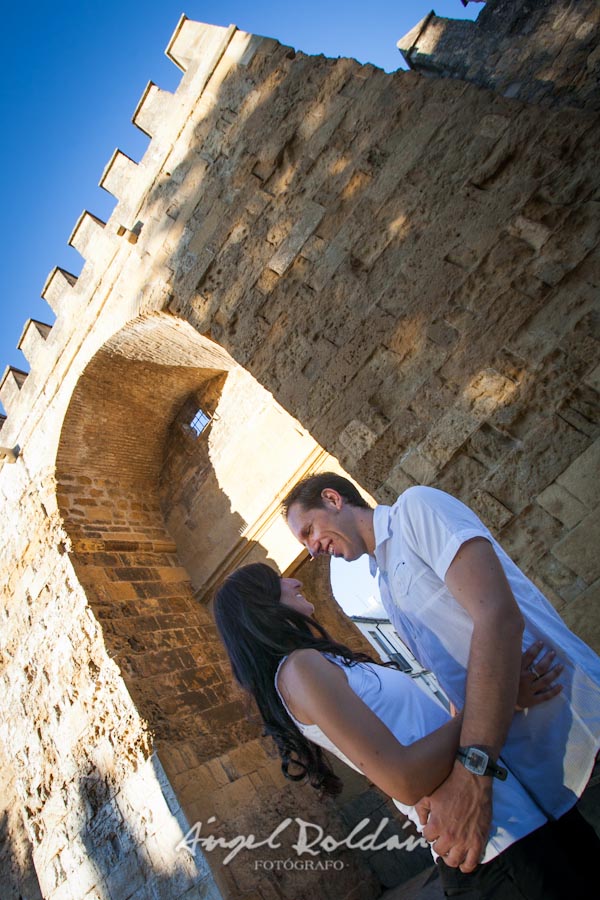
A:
(410, 713)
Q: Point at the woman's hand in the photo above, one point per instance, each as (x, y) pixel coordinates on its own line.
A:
(538, 677)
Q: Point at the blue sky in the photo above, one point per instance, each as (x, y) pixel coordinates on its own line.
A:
(355, 589)
(72, 74)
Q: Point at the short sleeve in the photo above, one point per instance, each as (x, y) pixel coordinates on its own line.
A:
(435, 525)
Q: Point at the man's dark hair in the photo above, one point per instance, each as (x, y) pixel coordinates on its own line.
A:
(308, 492)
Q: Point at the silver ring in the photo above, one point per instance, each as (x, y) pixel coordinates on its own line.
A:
(534, 671)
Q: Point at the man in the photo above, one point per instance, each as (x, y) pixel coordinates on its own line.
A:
(466, 610)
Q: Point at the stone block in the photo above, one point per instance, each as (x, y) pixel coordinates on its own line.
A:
(582, 478)
(448, 435)
(582, 615)
(10, 386)
(126, 876)
(491, 511)
(63, 891)
(83, 878)
(218, 772)
(418, 467)
(529, 535)
(478, 400)
(440, 332)
(535, 462)
(151, 109)
(357, 438)
(489, 445)
(248, 758)
(398, 480)
(562, 505)
(192, 39)
(317, 128)
(534, 233)
(33, 340)
(559, 577)
(117, 175)
(87, 234)
(579, 548)
(240, 792)
(593, 379)
(309, 218)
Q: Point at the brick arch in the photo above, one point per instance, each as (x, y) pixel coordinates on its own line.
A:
(108, 469)
(155, 517)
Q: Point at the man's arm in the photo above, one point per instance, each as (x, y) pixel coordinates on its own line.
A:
(458, 814)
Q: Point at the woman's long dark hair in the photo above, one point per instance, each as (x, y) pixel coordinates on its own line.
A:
(258, 631)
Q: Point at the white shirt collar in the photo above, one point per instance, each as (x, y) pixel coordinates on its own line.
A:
(382, 530)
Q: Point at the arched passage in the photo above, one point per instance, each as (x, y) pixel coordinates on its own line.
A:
(156, 515)
(128, 466)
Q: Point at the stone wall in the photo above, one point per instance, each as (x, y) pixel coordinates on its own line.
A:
(411, 267)
(542, 51)
(405, 269)
(95, 804)
(18, 878)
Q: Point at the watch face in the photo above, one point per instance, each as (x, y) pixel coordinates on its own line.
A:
(476, 761)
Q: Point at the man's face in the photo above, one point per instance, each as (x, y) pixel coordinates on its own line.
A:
(330, 530)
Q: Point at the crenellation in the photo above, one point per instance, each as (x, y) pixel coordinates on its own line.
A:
(152, 109)
(11, 383)
(87, 235)
(194, 43)
(118, 173)
(58, 290)
(32, 342)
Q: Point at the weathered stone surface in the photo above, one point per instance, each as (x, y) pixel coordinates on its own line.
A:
(561, 504)
(582, 479)
(582, 615)
(579, 549)
(498, 50)
(407, 268)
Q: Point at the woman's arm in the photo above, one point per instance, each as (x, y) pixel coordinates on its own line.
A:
(317, 692)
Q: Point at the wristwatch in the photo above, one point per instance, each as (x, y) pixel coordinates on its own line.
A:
(477, 761)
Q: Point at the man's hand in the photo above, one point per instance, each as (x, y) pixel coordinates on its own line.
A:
(457, 818)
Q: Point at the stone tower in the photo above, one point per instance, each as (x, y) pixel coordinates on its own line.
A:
(391, 274)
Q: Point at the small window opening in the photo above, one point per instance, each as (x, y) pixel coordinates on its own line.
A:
(200, 422)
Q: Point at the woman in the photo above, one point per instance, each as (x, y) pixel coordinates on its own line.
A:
(314, 692)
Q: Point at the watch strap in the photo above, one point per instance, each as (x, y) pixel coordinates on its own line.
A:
(491, 768)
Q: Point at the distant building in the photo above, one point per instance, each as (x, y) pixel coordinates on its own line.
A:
(381, 634)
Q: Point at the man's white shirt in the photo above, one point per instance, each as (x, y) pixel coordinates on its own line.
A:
(550, 748)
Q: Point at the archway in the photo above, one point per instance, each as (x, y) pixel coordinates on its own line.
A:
(158, 508)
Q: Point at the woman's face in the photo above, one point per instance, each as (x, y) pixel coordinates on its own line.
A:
(292, 596)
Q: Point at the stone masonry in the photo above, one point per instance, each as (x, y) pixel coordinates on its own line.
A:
(391, 274)
(542, 51)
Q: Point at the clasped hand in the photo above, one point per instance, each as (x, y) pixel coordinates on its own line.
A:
(457, 816)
